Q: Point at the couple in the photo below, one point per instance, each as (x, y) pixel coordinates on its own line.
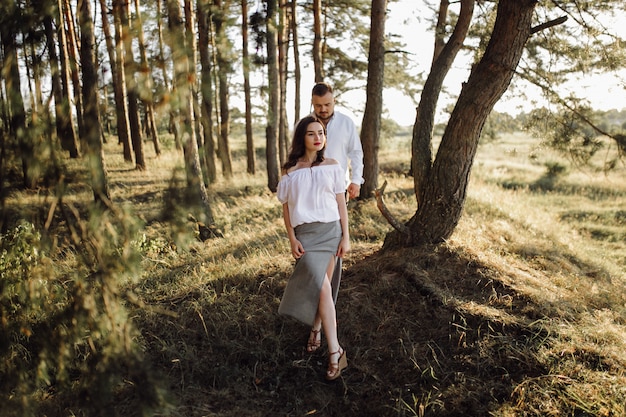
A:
(312, 190)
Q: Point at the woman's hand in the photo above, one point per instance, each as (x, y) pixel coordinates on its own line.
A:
(344, 247)
(296, 248)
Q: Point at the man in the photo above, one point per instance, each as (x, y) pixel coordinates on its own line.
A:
(342, 140)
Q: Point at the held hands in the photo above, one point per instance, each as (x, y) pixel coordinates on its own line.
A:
(296, 248)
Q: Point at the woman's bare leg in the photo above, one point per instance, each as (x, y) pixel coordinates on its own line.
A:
(326, 311)
(317, 324)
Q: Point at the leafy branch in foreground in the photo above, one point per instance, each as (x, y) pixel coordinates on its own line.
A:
(67, 328)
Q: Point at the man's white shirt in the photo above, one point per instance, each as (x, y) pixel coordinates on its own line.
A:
(344, 145)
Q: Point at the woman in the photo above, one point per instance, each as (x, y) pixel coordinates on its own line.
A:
(312, 192)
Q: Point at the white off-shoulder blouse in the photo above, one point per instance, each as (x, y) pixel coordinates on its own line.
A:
(311, 193)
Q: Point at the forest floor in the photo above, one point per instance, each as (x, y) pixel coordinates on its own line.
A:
(521, 313)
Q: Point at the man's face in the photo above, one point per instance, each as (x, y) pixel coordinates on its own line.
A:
(323, 106)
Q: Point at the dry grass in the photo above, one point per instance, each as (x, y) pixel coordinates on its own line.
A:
(520, 313)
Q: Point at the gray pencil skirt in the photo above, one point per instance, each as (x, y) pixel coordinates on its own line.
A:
(302, 294)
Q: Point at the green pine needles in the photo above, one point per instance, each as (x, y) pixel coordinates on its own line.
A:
(64, 322)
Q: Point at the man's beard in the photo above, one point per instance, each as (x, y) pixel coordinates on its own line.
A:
(324, 119)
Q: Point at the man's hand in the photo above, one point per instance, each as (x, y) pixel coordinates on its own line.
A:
(354, 190)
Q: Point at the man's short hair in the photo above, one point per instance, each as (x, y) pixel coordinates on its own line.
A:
(320, 89)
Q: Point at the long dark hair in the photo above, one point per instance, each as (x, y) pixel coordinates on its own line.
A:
(298, 149)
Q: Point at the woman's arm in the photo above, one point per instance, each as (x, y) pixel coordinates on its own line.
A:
(296, 247)
(344, 245)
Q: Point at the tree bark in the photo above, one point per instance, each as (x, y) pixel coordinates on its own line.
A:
(421, 161)
(250, 151)
(443, 194)
(146, 93)
(63, 116)
(118, 95)
(72, 55)
(283, 49)
(370, 128)
(271, 134)
(132, 91)
(183, 78)
(440, 29)
(173, 128)
(17, 119)
(93, 132)
(318, 63)
(206, 90)
(123, 123)
(69, 141)
(297, 73)
(224, 70)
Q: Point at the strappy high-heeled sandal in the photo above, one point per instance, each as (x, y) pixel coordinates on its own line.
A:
(315, 341)
(335, 368)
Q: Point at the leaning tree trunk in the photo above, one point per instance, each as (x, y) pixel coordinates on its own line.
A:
(440, 28)
(421, 158)
(93, 132)
(370, 128)
(443, 194)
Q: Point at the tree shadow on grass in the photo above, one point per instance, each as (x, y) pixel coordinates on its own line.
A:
(422, 328)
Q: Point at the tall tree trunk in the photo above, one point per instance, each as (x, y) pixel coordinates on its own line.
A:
(206, 89)
(318, 63)
(297, 73)
(63, 115)
(190, 41)
(173, 128)
(119, 87)
(37, 99)
(93, 138)
(72, 56)
(146, 93)
(123, 122)
(250, 152)
(370, 128)
(444, 191)
(183, 76)
(17, 119)
(283, 48)
(224, 70)
(273, 91)
(132, 92)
